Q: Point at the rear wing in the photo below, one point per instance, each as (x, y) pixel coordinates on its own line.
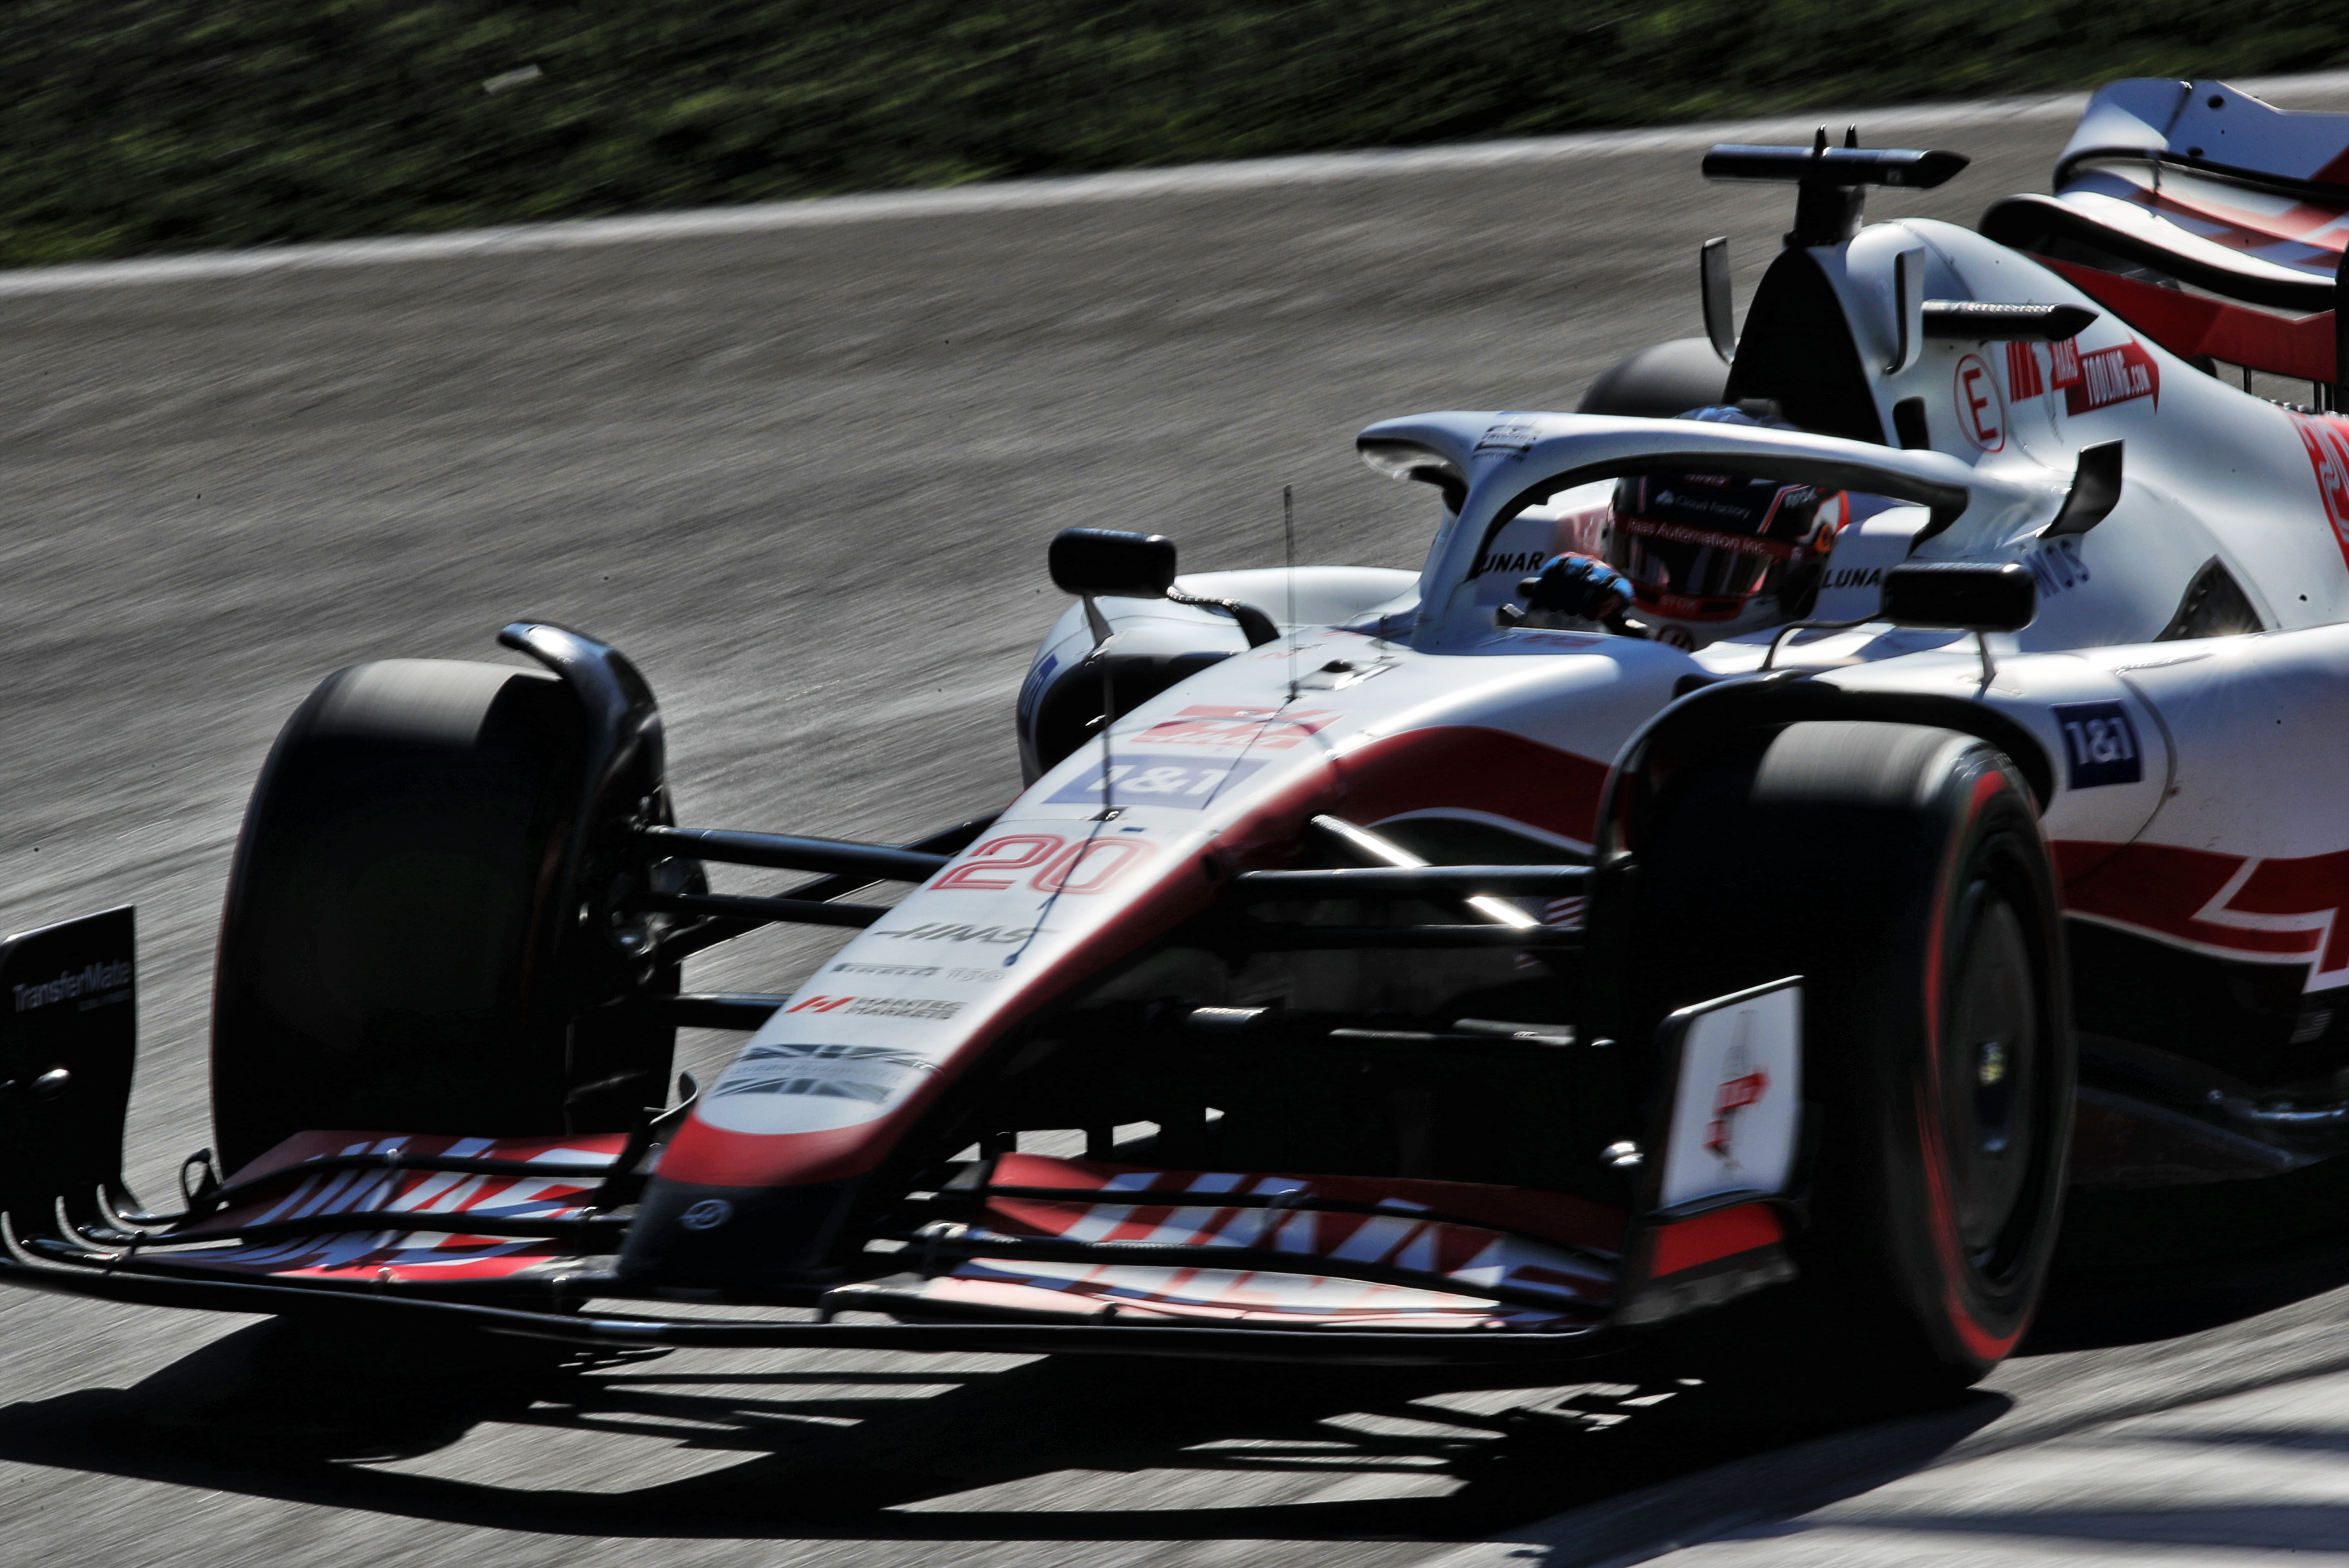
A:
(2210, 125)
(2203, 183)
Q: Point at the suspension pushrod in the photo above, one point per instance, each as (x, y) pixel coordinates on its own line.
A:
(716, 1009)
(835, 857)
(760, 912)
(1412, 881)
(713, 929)
(1269, 937)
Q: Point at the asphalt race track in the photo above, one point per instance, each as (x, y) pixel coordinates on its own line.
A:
(805, 476)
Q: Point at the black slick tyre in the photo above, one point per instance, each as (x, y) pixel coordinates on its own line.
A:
(1901, 871)
(1659, 381)
(402, 947)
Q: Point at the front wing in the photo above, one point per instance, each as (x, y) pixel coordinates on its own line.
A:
(518, 1236)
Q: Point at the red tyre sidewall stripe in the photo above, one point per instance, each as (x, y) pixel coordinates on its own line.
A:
(1941, 1211)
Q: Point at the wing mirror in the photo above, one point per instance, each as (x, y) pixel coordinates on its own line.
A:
(1959, 596)
(1110, 563)
(1962, 595)
(1942, 595)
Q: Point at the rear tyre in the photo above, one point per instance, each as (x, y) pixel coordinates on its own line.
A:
(1901, 870)
(406, 946)
(1659, 381)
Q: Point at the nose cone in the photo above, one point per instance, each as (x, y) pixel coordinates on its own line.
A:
(700, 1237)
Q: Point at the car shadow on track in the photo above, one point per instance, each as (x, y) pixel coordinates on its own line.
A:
(1060, 1449)
(927, 1447)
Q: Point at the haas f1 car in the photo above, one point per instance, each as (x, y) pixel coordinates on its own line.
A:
(1762, 856)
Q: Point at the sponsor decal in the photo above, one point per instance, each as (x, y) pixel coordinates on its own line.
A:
(1737, 1110)
(2092, 381)
(479, 1247)
(928, 970)
(1743, 1085)
(2064, 364)
(2099, 743)
(993, 936)
(2023, 378)
(1222, 725)
(1507, 438)
(1517, 561)
(2286, 910)
(1851, 578)
(2327, 443)
(878, 1006)
(1979, 412)
(2106, 377)
(1187, 784)
(707, 1215)
(2056, 566)
(1051, 862)
(93, 985)
(1566, 914)
(871, 1075)
(1712, 538)
(1502, 1244)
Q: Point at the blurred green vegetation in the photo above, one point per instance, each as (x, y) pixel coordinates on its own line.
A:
(137, 126)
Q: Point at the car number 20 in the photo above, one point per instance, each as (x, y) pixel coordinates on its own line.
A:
(1049, 863)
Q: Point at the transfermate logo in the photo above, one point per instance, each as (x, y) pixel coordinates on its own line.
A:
(93, 983)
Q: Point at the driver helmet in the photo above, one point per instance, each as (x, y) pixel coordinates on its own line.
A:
(1716, 553)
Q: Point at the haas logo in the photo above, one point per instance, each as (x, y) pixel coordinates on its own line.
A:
(2327, 441)
(1742, 1083)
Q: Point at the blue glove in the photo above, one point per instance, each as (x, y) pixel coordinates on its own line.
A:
(1577, 586)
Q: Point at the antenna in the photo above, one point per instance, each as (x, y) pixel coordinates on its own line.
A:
(1109, 717)
(1288, 549)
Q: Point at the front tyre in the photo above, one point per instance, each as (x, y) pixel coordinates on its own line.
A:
(1899, 870)
(410, 941)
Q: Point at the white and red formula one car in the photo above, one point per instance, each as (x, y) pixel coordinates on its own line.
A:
(1767, 855)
